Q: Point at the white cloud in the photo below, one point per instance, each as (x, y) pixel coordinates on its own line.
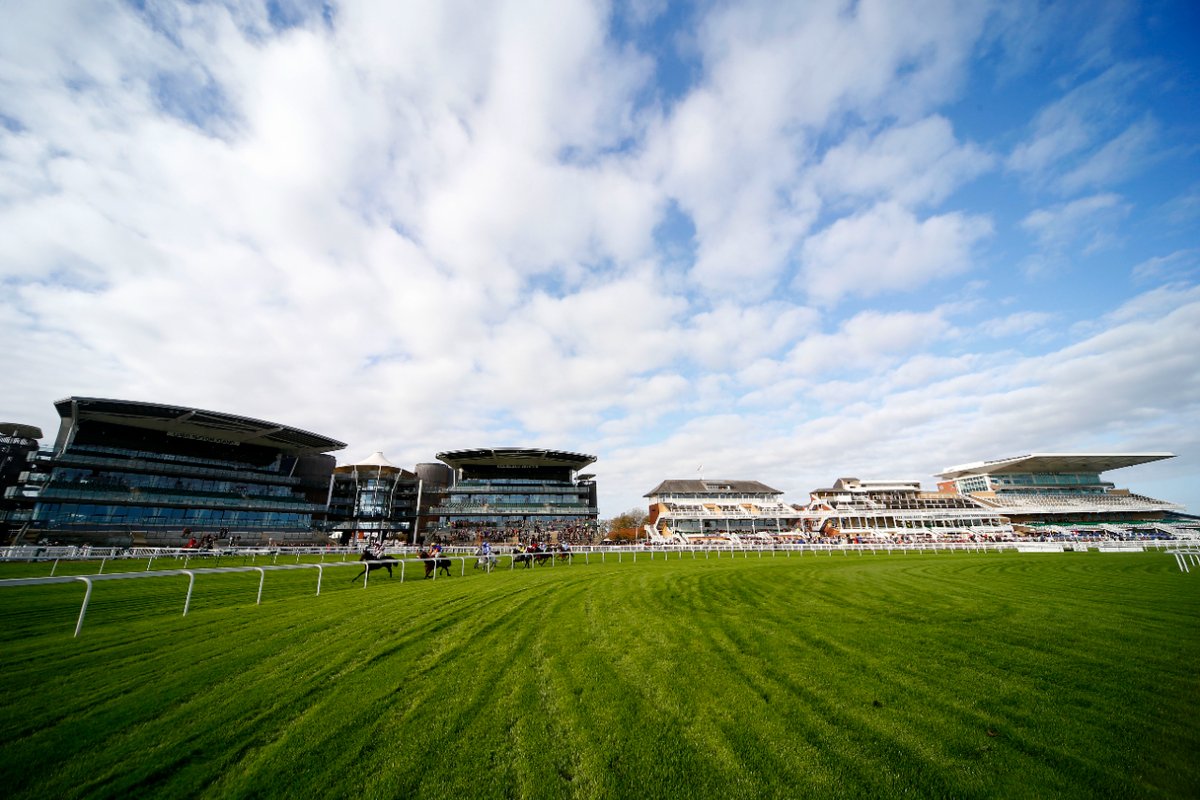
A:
(913, 164)
(1081, 140)
(1086, 224)
(887, 249)
(426, 225)
(1178, 265)
(1021, 322)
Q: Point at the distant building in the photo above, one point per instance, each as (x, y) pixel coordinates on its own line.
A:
(124, 471)
(867, 509)
(717, 510)
(436, 479)
(1065, 490)
(374, 500)
(517, 493)
(18, 447)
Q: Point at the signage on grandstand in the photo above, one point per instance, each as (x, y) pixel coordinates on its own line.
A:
(199, 438)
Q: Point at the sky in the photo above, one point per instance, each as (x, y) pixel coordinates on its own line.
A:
(784, 242)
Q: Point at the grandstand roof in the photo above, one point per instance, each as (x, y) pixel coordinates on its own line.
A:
(375, 462)
(196, 423)
(514, 456)
(20, 430)
(1054, 462)
(857, 485)
(710, 487)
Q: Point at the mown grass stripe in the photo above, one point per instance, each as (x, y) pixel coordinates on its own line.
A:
(989, 675)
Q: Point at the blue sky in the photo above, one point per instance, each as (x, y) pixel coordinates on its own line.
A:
(781, 242)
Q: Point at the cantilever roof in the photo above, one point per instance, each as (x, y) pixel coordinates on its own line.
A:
(1054, 462)
(197, 423)
(710, 487)
(514, 456)
(20, 430)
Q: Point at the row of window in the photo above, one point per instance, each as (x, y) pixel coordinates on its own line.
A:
(178, 458)
(1047, 479)
(515, 521)
(94, 514)
(157, 466)
(119, 481)
(517, 499)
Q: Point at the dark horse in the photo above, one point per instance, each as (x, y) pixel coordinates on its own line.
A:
(433, 564)
(374, 563)
(532, 558)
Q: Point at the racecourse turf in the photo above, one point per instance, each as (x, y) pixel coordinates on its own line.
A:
(949, 675)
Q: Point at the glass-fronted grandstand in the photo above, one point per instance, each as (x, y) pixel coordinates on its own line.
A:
(133, 472)
(873, 509)
(373, 500)
(1064, 493)
(516, 493)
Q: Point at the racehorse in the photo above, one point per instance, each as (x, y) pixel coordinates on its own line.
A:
(374, 563)
(433, 564)
(532, 558)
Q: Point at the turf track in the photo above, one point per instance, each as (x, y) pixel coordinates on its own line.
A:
(964, 675)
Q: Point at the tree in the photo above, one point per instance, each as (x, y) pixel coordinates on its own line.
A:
(627, 526)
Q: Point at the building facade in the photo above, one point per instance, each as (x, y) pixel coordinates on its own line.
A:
(516, 494)
(18, 449)
(717, 510)
(1064, 492)
(373, 500)
(133, 472)
(890, 509)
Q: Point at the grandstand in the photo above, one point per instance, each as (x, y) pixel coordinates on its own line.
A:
(1064, 492)
(733, 511)
(890, 509)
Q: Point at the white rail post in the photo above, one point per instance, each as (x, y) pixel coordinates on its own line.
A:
(149, 563)
(464, 567)
(402, 563)
(53, 567)
(101, 572)
(320, 574)
(87, 595)
(262, 578)
(366, 572)
(191, 582)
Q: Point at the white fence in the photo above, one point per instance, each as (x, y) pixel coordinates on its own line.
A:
(54, 555)
(1186, 557)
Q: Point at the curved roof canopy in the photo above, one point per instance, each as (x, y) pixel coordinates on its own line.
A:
(1054, 462)
(709, 487)
(19, 430)
(376, 459)
(514, 456)
(196, 423)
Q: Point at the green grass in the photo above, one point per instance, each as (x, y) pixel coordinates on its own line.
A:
(964, 675)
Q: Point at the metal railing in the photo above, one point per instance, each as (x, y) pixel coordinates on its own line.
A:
(1185, 556)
